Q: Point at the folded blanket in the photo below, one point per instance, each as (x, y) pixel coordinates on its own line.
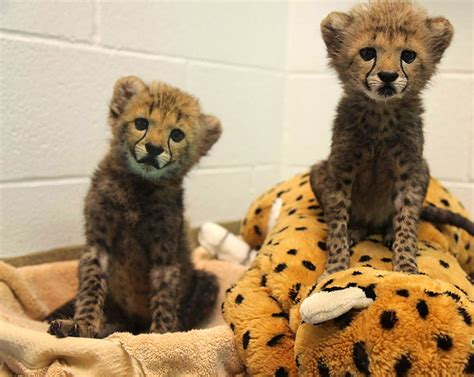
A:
(28, 293)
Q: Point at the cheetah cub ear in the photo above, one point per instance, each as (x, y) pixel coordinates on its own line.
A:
(441, 32)
(212, 131)
(332, 29)
(124, 89)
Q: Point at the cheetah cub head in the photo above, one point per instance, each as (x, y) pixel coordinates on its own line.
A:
(159, 130)
(385, 49)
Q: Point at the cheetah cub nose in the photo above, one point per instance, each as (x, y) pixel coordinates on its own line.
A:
(387, 77)
(154, 150)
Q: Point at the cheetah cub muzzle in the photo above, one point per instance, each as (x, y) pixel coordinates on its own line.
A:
(136, 273)
(375, 179)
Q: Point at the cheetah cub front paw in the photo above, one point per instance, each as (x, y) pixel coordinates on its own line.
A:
(69, 327)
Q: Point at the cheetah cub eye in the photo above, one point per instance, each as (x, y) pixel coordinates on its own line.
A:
(368, 53)
(177, 135)
(408, 56)
(141, 124)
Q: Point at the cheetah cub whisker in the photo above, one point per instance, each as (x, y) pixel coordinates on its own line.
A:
(136, 273)
(375, 179)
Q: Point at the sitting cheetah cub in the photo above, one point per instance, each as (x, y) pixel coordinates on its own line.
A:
(136, 273)
(375, 178)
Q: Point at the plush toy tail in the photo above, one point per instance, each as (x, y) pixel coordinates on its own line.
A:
(443, 216)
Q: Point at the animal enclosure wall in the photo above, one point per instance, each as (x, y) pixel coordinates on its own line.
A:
(259, 66)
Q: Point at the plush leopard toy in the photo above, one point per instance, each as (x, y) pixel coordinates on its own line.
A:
(408, 324)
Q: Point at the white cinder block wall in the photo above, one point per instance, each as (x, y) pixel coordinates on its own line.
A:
(260, 66)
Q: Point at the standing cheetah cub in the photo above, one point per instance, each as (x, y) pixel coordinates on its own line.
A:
(136, 273)
(375, 178)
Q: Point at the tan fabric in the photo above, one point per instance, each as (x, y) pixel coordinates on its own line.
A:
(28, 293)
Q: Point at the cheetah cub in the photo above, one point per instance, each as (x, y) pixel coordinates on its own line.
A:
(136, 273)
(375, 179)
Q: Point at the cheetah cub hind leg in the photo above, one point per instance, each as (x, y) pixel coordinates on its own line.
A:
(199, 301)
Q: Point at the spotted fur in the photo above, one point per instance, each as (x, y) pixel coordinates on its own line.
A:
(375, 178)
(136, 273)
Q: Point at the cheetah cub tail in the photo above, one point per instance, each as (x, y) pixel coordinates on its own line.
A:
(445, 217)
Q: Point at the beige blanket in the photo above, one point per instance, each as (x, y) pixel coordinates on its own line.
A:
(28, 293)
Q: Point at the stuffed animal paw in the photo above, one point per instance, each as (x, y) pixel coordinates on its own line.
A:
(323, 306)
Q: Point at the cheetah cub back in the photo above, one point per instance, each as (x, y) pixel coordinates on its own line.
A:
(136, 272)
(375, 178)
